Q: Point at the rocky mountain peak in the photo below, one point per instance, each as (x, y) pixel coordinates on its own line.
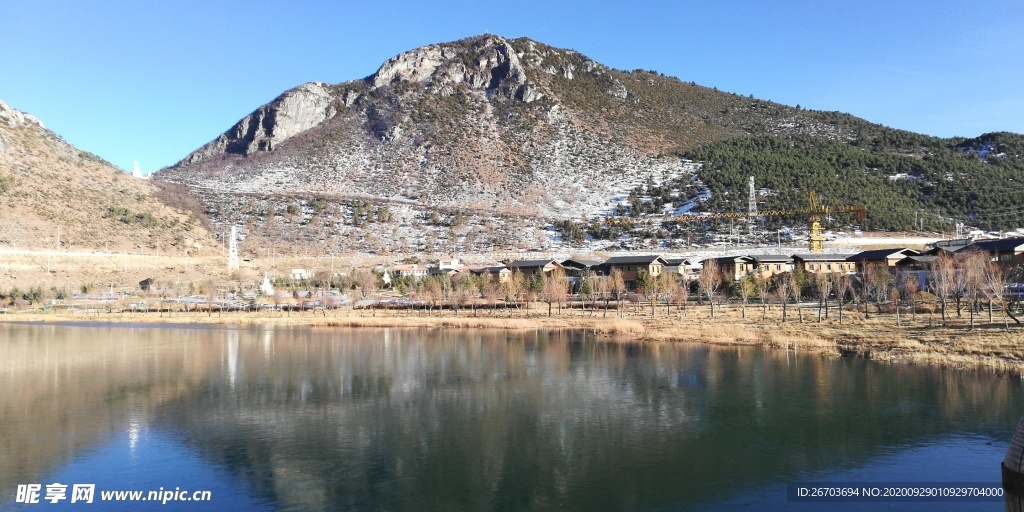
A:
(487, 64)
(484, 63)
(291, 113)
(15, 117)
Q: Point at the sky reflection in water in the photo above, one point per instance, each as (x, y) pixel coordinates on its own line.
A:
(393, 419)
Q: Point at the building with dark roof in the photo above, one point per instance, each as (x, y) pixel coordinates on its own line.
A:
(579, 267)
(734, 267)
(1008, 252)
(631, 266)
(498, 273)
(886, 257)
(823, 263)
(918, 262)
(529, 268)
(771, 264)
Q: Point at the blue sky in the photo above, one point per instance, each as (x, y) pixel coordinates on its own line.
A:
(152, 80)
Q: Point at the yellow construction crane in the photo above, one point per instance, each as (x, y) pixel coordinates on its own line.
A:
(814, 212)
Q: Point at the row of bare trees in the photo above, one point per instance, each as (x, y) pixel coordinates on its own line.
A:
(968, 280)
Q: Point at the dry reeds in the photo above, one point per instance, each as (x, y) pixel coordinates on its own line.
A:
(877, 338)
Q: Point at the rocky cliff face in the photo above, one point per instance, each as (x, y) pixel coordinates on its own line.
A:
(290, 114)
(477, 129)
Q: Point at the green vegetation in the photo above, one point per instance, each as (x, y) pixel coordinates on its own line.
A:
(7, 182)
(126, 216)
(979, 180)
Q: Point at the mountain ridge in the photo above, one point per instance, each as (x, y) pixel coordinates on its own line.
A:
(511, 126)
(49, 186)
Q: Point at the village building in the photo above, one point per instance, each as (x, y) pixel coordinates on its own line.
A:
(764, 265)
(734, 267)
(448, 264)
(880, 257)
(920, 262)
(530, 268)
(411, 271)
(632, 266)
(1008, 252)
(300, 274)
(685, 267)
(437, 271)
(951, 245)
(769, 265)
(499, 274)
(823, 263)
(581, 267)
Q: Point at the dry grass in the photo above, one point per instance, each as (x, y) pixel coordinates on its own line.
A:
(955, 346)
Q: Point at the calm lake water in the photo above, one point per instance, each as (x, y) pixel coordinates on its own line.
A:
(338, 419)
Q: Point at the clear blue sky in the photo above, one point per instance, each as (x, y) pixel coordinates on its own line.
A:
(152, 80)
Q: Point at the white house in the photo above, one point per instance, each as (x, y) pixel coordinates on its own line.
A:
(448, 264)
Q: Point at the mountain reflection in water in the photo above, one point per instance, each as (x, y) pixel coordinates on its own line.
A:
(414, 419)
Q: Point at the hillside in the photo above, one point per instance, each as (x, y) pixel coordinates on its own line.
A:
(483, 143)
(46, 183)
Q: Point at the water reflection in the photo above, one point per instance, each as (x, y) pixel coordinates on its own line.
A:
(475, 420)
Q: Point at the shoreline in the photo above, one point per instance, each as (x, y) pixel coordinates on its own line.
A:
(986, 347)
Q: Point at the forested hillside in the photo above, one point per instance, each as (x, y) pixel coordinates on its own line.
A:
(896, 174)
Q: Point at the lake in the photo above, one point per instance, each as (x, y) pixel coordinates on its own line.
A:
(414, 419)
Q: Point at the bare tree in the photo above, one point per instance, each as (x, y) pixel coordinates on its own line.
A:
(586, 292)
(669, 287)
(602, 287)
(823, 283)
(709, 281)
(841, 283)
(210, 291)
(763, 284)
(895, 298)
(994, 287)
(513, 287)
(652, 288)
(459, 298)
(795, 290)
(911, 283)
(468, 289)
(960, 278)
(747, 289)
(491, 292)
(432, 293)
(367, 282)
(880, 280)
(617, 285)
(556, 287)
(681, 295)
(974, 267)
(943, 270)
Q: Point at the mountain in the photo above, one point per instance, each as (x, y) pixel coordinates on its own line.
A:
(485, 142)
(46, 183)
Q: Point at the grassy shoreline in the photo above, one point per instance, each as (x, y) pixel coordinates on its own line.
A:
(986, 347)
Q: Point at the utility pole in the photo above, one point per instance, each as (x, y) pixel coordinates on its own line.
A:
(233, 254)
(752, 208)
